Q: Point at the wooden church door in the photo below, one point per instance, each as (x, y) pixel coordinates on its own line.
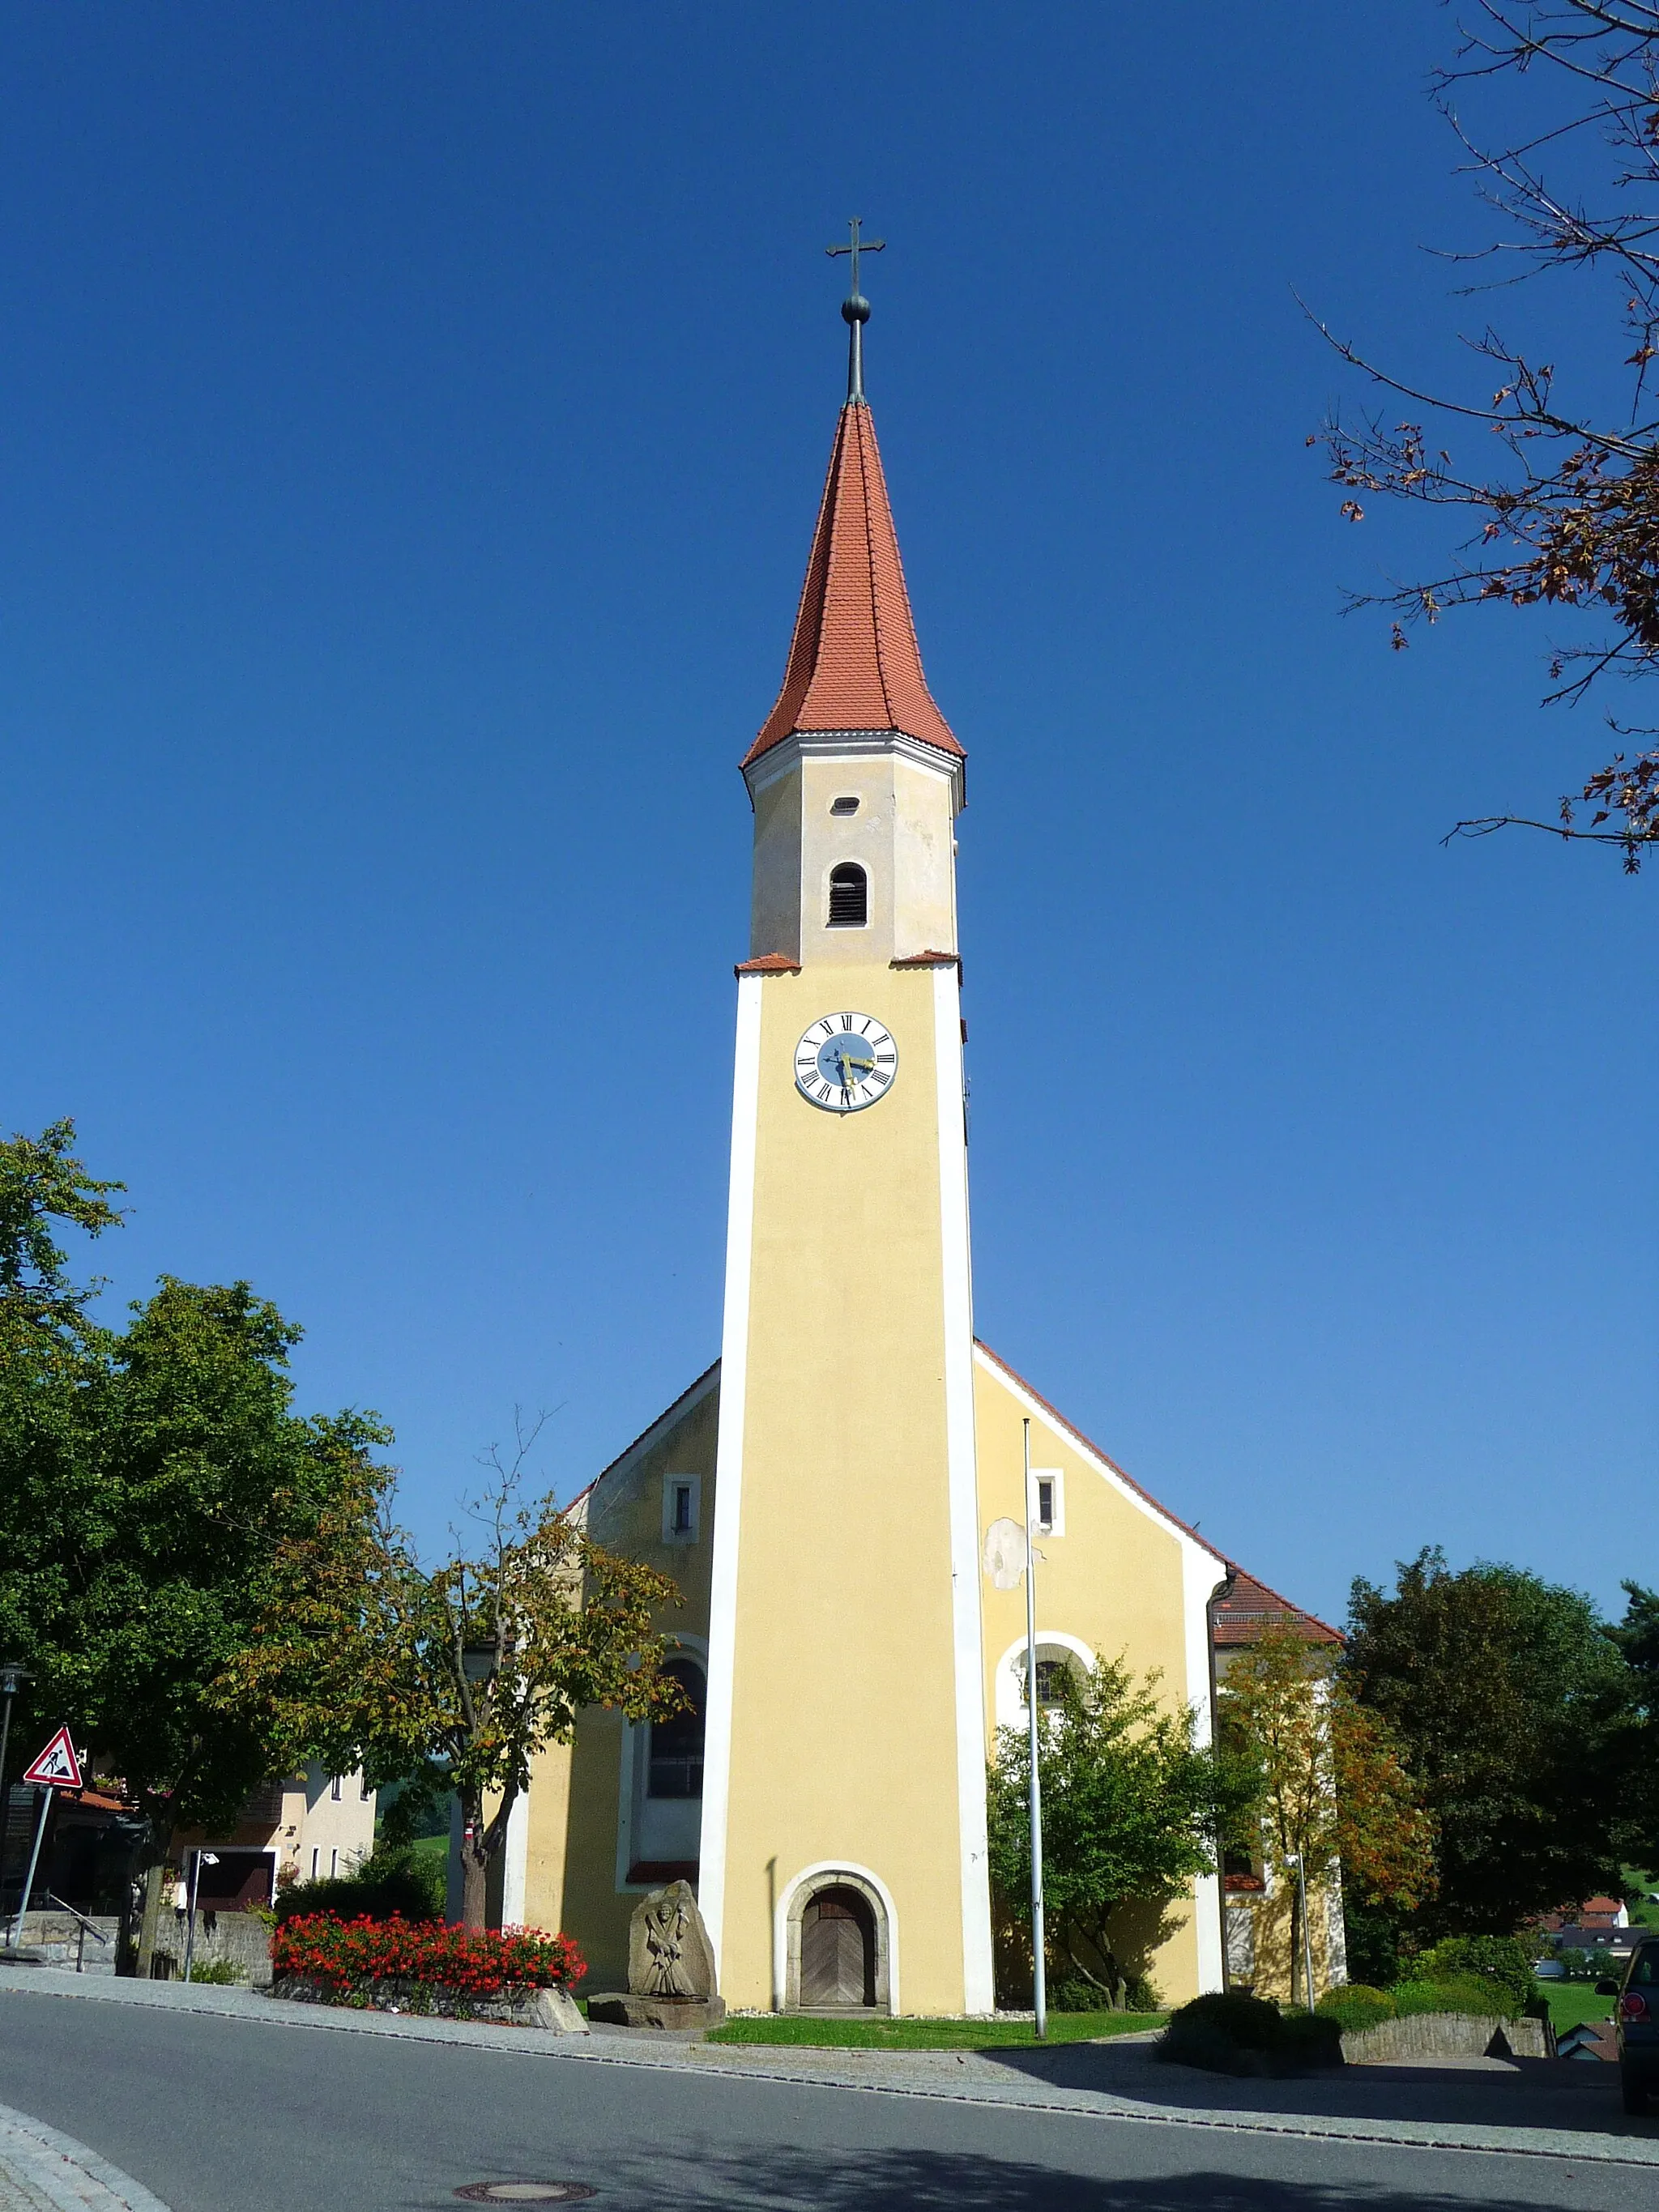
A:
(837, 1950)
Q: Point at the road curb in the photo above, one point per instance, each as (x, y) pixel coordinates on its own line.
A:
(60, 2169)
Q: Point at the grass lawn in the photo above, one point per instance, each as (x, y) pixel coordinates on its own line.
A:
(1638, 1879)
(1571, 2003)
(929, 2034)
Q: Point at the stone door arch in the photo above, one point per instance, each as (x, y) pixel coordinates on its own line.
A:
(838, 1944)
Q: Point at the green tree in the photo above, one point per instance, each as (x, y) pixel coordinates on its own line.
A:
(1132, 1808)
(469, 1668)
(1637, 1638)
(53, 1357)
(1335, 1790)
(151, 1480)
(1515, 1710)
(41, 1184)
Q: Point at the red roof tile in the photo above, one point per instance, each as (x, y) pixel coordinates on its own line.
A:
(768, 963)
(853, 662)
(1249, 1607)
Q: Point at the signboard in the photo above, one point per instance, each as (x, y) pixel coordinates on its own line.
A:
(58, 1767)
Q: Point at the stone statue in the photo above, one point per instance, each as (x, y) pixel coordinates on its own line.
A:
(669, 1954)
(671, 1967)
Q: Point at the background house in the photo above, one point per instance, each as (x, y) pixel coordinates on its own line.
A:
(1256, 1905)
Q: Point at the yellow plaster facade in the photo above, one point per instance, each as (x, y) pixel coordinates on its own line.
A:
(1115, 1574)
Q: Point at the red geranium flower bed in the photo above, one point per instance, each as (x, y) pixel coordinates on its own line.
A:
(474, 1962)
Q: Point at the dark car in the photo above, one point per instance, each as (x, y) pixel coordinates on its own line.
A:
(1637, 2018)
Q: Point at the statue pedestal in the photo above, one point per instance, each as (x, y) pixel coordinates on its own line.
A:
(626, 2008)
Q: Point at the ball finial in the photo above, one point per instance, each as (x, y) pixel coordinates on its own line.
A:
(855, 310)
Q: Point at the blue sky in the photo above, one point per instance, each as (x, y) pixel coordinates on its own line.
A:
(414, 415)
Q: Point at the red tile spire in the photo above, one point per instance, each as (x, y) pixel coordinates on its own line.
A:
(854, 663)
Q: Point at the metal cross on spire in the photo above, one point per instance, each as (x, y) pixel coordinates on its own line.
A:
(856, 308)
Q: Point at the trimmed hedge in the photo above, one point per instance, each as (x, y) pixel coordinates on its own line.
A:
(1505, 1960)
(349, 1957)
(1467, 1993)
(388, 1885)
(1227, 2032)
(1355, 2008)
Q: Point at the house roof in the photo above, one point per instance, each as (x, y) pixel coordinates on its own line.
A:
(854, 661)
(1249, 1607)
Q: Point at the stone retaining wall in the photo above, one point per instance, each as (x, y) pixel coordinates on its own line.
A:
(1446, 2035)
(554, 2009)
(240, 1938)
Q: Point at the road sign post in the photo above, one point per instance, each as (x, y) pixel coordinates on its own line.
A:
(56, 1768)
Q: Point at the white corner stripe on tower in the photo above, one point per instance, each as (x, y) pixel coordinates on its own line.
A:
(1200, 1576)
(515, 1862)
(728, 1464)
(966, 1634)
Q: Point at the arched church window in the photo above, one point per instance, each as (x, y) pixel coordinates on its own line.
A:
(1056, 1671)
(849, 897)
(676, 1768)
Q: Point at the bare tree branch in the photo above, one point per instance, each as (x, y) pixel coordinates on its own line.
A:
(1568, 515)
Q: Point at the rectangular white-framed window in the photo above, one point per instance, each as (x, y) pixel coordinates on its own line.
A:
(1048, 1495)
(681, 1508)
(333, 1864)
(334, 1791)
(317, 1861)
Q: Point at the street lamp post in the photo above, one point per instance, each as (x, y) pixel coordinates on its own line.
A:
(211, 1858)
(13, 1675)
(1296, 1861)
(1039, 1957)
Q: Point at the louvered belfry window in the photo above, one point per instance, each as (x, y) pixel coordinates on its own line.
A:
(849, 897)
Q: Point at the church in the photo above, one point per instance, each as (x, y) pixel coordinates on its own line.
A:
(841, 1498)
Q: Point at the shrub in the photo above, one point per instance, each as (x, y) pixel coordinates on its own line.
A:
(388, 1884)
(1253, 2023)
(217, 1973)
(1503, 1959)
(349, 1957)
(1355, 2008)
(1231, 2034)
(1465, 1993)
(1075, 1994)
(1308, 2038)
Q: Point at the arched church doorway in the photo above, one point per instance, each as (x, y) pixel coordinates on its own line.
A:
(837, 1950)
(837, 1945)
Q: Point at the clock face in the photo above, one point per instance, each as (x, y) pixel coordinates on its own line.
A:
(844, 1062)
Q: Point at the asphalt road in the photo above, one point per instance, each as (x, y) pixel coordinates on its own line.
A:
(228, 2115)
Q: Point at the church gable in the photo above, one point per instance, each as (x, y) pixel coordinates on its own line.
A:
(655, 1502)
(1116, 1572)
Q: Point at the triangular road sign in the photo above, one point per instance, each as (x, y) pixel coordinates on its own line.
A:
(58, 1767)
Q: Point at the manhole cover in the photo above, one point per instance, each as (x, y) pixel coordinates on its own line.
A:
(524, 2192)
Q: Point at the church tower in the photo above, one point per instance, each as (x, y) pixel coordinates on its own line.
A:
(843, 1812)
